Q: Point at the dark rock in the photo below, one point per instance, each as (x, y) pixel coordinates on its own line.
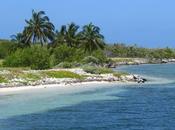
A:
(139, 79)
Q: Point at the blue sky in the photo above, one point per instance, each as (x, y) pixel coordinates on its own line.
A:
(149, 23)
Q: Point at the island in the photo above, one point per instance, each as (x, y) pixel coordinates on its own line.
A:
(43, 55)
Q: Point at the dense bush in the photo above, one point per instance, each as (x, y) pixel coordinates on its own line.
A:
(64, 53)
(40, 58)
(64, 65)
(8, 47)
(14, 60)
(36, 57)
(162, 53)
(90, 59)
(100, 55)
(5, 47)
(1, 63)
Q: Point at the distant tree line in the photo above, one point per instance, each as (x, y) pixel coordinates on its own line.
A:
(134, 51)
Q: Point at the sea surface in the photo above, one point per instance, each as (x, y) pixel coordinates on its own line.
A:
(149, 106)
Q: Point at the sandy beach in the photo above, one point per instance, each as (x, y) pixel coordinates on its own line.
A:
(25, 81)
(64, 87)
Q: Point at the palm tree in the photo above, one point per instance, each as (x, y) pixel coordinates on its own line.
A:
(18, 38)
(60, 36)
(91, 38)
(39, 29)
(68, 35)
(72, 36)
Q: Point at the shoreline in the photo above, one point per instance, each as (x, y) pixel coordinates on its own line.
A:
(29, 79)
(69, 84)
(63, 86)
(117, 62)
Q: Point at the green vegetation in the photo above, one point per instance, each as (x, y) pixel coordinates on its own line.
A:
(68, 35)
(21, 76)
(39, 46)
(1, 63)
(64, 53)
(122, 59)
(90, 59)
(122, 50)
(35, 57)
(102, 70)
(97, 70)
(5, 47)
(39, 29)
(31, 76)
(92, 39)
(3, 80)
(62, 74)
(119, 74)
(64, 65)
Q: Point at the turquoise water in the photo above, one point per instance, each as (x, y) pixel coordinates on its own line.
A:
(149, 106)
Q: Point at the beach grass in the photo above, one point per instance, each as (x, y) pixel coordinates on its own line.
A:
(3, 79)
(119, 74)
(1, 63)
(62, 74)
(97, 70)
(31, 76)
(122, 59)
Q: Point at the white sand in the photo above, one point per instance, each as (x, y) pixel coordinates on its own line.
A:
(61, 87)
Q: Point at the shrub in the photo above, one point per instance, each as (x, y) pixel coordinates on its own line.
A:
(30, 76)
(62, 74)
(52, 60)
(2, 79)
(14, 60)
(90, 59)
(64, 65)
(1, 63)
(97, 70)
(100, 55)
(5, 46)
(35, 57)
(64, 53)
(40, 58)
(119, 74)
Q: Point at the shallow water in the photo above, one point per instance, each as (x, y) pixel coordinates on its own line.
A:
(148, 106)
